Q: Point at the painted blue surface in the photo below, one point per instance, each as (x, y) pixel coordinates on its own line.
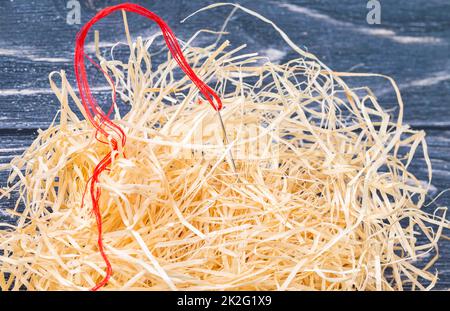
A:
(412, 44)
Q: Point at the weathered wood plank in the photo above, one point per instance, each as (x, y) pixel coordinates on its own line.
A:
(412, 44)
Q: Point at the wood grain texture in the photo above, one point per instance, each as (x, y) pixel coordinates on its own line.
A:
(412, 44)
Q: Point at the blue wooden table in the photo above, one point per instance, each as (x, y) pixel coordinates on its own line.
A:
(411, 44)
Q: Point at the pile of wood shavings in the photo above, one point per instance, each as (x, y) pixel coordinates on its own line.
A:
(324, 202)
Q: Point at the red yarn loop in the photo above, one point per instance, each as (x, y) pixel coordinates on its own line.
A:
(102, 122)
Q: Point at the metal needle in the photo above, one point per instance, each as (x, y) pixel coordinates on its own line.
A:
(225, 140)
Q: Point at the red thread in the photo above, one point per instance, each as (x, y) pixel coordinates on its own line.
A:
(101, 121)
